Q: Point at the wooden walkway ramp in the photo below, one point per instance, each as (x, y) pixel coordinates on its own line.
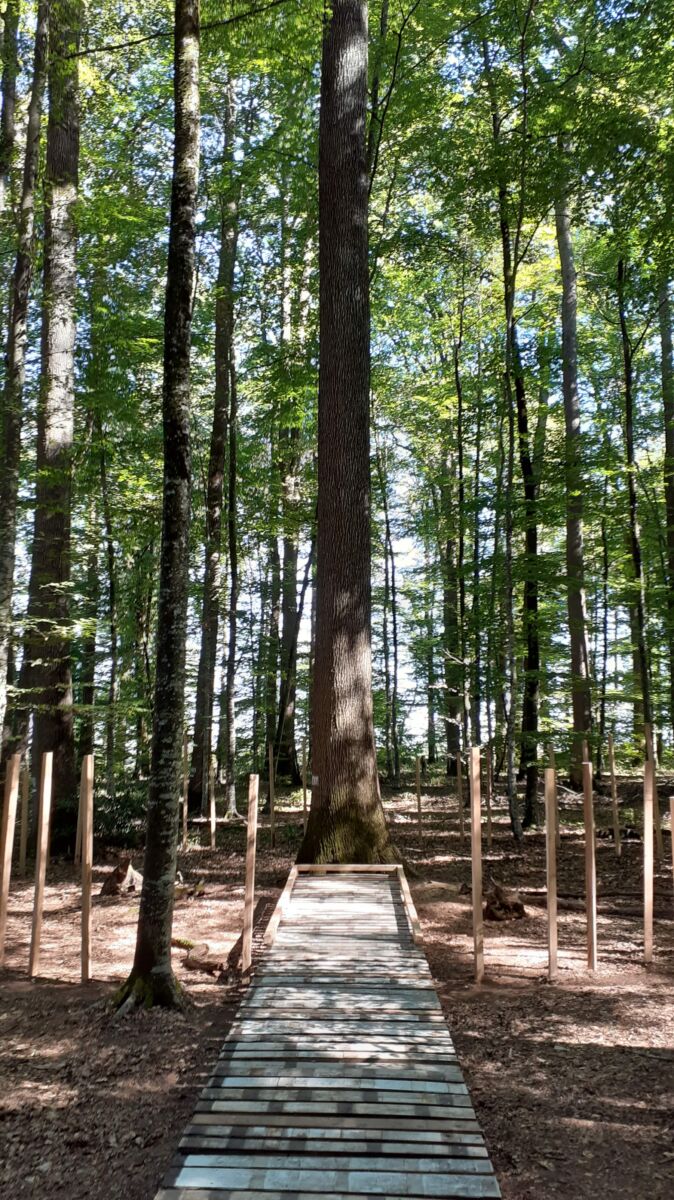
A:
(338, 1078)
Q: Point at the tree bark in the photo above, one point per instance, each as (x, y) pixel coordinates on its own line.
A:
(639, 603)
(152, 980)
(210, 608)
(10, 70)
(12, 399)
(581, 700)
(667, 372)
(47, 649)
(346, 820)
(232, 539)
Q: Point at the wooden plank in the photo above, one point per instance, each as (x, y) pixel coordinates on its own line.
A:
(249, 894)
(42, 851)
(377, 1120)
(12, 772)
(489, 783)
(354, 869)
(614, 797)
(281, 907)
(333, 1183)
(476, 862)
(590, 868)
(466, 1144)
(87, 811)
(272, 826)
(551, 867)
(649, 789)
(336, 1162)
(23, 836)
(410, 910)
(186, 785)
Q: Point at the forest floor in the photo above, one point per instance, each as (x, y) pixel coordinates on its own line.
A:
(573, 1083)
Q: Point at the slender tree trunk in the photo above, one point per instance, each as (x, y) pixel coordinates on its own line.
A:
(387, 667)
(152, 980)
(12, 398)
(210, 608)
(48, 646)
(10, 70)
(429, 626)
(476, 607)
(639, 603)
(667, 371)
(88, 655)
(286, 750)
(113, 681)
(390, 577)
(346, 821)
(232, 539)
(581, 700)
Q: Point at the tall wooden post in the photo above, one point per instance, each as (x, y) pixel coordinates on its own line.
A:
(13, 770)
(77, 858)
(551, 867)
(488, 777)
(249, 895)
(272, 822)
(23, 835)
(211, 801)
(459, 795)
(304, 785)
(552, 767)
(650, 754)
(614, 797)
(476, 861)
(649, 790)
(42, 851)
(418, 766)
(590, 868)
(186, 785)
(87, 811)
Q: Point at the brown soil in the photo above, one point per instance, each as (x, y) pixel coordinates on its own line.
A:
(573, 1082)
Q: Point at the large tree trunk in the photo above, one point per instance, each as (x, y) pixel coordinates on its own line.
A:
(581, 700)
(12, 399)
(639, 602)
(210, 609)
(346, 820)
(152, 980)
(232, 539)
(10, 70)
(667, 370)
(48, 647)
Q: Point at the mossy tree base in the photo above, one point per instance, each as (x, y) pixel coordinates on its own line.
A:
(154, 990)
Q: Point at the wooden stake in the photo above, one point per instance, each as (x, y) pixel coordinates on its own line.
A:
(590, 868)
(41, 854)
(552, 767)
(614, 797)
(476, 861)
(272, 826)
(459, 795)
(421, 832)
(551, 867)
(211, 800)
(671, 831)
(304, 785)
(13, 769)
(488, 782)
(186, 785)
(249, 896)
(23, 838)
(87, 811)
(649, 790)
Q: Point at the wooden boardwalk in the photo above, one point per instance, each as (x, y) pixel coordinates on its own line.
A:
(338, 1077)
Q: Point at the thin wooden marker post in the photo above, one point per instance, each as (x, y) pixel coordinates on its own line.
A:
(211, 801)
(186, 785)
(488, 789)
(272, 824)
(614, 797)
(552, 767)
(671, 831)
(649, 789)
(41, 853)
(459, 795)
(650, 754)
(476, 861)
(421, 832)
(551, 867)
(13, 770)
(249, 895)
(23, 836)
(304, 785)
(590, 868)
(87, 811)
